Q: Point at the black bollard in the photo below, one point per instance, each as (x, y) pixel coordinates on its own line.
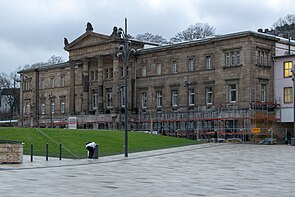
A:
(46, 151)
(32, 152)
(60, 153)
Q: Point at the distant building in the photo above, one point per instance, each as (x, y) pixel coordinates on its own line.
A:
(223, 83)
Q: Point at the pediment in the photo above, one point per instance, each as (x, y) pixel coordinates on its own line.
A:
(87, 39)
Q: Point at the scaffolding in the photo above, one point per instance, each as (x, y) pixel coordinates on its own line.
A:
(209, 123)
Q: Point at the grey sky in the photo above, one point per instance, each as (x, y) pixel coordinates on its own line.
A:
(33, 30)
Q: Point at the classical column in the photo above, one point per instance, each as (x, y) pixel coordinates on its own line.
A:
(99, 84)
(72, 88)
(116, 90)
(85, 82)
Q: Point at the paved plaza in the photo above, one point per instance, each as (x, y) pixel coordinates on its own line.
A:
(198, 170)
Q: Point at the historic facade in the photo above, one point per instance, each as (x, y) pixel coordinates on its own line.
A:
(210, 84)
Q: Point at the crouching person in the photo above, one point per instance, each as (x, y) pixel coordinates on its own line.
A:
(90, 146)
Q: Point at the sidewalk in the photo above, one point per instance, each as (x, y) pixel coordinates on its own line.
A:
(223, 170)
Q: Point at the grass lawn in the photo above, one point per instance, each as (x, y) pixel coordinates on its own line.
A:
(73, 141)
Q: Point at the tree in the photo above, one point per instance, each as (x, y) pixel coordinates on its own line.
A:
(55, 60)
(287, 20)
(196, 31)
(148, 37)
(9, 94)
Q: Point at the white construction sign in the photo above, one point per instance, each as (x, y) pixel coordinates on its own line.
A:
(72, 123)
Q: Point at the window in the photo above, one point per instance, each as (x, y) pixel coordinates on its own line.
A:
(62, 106)
(288, 95)
(122, 71)
(143, 100)
(174, 67)
(232, 58)
(208, 62)
(159, 69)
(27, 107)
(43, 107)
(262, 57)
(92, 75)
(262, 92)
(62, 82)
(27, 85)
(106, 73)
(190, 64)
(209, 95)
(111, 73)
(42, 84)
(288, 69)
(52, 82)
(232, 93)
(191, 98)
(159, 98)
(109, 97)
(143, 71)
(94, 99)
(174, 98)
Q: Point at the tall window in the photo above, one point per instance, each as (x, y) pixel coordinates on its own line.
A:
(288, 69)
(208, 62)
(159, 98)
(288, 95)
(174, 98)
(191, 97)
(209, 95)
(27, 107)
(109, 97)
(190, 64)
(106, 73)
(62, 106)
(27, 85)
(174, 67)
(143, 100)
(232, 93)
(52, 82)
(159, 69)
(94, 99)
(62, 82)
(92, 75)
(262, 92)
(143, 70)
(42, 84)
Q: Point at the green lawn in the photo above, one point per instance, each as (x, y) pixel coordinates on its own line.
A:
(73, 141)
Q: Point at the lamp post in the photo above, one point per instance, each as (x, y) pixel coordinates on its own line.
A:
(125, 51)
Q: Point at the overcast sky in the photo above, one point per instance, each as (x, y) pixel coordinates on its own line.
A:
(33, 30)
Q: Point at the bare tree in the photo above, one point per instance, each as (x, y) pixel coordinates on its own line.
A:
(149, 37)
(287, 20)
(196, 31)
(55, 60)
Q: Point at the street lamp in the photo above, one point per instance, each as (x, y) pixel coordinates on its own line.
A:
(125, 52)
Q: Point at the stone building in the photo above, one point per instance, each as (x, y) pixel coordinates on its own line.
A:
(211, 84)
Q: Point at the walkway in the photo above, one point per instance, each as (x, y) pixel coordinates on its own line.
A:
(199, 170)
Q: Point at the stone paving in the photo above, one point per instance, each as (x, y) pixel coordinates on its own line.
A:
(199, 170)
